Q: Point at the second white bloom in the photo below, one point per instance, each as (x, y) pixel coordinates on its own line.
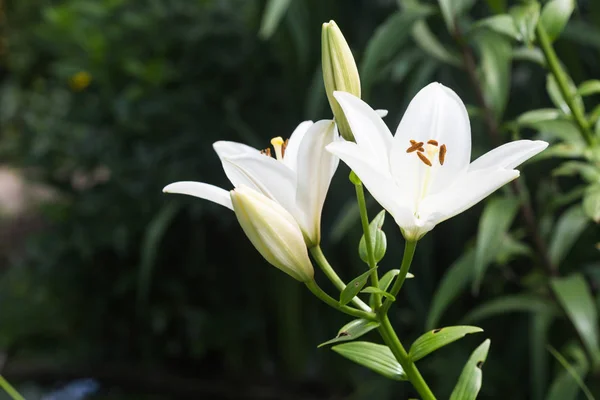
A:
(422, 175)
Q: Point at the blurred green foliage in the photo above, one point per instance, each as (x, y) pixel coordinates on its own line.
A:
(105, 102)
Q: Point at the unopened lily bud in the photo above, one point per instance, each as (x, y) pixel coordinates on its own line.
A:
(339, 73)
(273, 231)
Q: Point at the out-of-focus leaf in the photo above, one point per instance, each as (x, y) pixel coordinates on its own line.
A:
(316, 99)
(430, 44)
(526, 18)
(431, 341)
(497, 216)
(297, 21)
(568, 228)
(531, 54)
(583, 33)
(454, 281)
(538, 337)
(588, 88)
(511, 248)
(469, 382)
(510, 303)
(495, 50)
(452, 9)
(557, 97)
(274, 12)
(575, 297)
(533, 117)
(376, 357)
(389, 37)
(354, 287)
(586, 170)
(352, 330)
(503, 24)
(564, 386)
(574, 372)
(591, 203)
(555, 15)
(378, 240)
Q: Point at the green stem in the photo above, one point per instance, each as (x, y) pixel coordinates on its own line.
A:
(328, 270)
(9, 389)
(317, 291)
(409, 252)
(561, 79)
(414, 376)
(364, 219)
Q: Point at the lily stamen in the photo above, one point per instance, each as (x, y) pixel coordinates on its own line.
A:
(433, 142)
(442, 154)
(414, 146)
(266, 152)
(423, 158)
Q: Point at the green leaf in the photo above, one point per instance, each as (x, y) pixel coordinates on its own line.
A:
(575, 297)
(497, 216)
(388, 39)
(538, 367)
(354, 287)
(568, 228)
(352, 330)
(470, 379)
(274, 12)
(588, 88)
(586, 170)
(510, 303)
(452, 9)
(565, 386)
(374, 290)
(454, 281)
(531, 54)
(386, 280)
(533, 117)
(503, 24)
(591, 203)
(430, 44)
(378, 239)
(525, 18)
(376, 357)
(437, 338)
(555, 15)
(557, 97)
(573, 372)
(496, 59)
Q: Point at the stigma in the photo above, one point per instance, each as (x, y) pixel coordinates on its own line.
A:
(279, 145)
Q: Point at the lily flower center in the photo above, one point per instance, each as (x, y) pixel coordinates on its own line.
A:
(279, 145)
(430, 154)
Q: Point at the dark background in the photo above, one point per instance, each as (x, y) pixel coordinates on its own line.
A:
(159, 296)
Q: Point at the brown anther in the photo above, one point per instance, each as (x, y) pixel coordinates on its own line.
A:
(266, 152)
(420, 149)
(442, 154)
(433, 142)
(413, 141)
(283, 147)
(424, 159)
(414, 147)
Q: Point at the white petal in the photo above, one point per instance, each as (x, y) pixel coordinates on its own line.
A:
(201, 190)
(509, 155)
(291, 150)
(382, 113)
(435, 113)
(315, 167)
(369, 130)
(228, 149)
(379, 182)
(464, 193)
(232, 149)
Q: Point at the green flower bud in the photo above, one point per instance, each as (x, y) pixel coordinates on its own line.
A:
(339, 72)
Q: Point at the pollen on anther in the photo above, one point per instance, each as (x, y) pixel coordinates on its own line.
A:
(412, 141)
(433, 142)
(414, 147)
(424, 159)
(442, 154)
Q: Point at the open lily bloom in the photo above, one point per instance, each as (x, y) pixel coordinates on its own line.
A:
(297, 178)
(422, 175)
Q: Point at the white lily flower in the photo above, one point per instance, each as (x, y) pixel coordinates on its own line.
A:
(273, 231)
(297, 178)
(422, 175)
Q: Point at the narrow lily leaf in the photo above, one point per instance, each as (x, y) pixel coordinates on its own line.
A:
(354, 287)
(376, 357)
(555, 15)
(433, 340)
(588, 88)
(568, 228)
(386, 280)
(430, 44)
(575, 297)
(503, 24)
(510, 303)
(470, 379)
(378, 240)
(374, 290)
(525, 18)
(531, 54)
(493, 226)
(567, 384)
(451, 9)
(538, 367)
(591, 203)
(453, 283)
(495, 52)
(352, 330)
(557, 97)
(531, 118)
(274, 12)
